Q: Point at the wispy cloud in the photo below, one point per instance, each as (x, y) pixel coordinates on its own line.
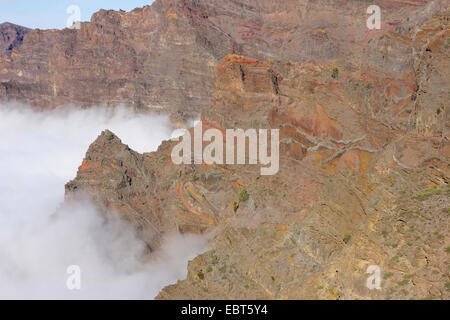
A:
(39, 239)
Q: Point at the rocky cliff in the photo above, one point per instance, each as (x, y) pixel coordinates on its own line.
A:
(364, 152)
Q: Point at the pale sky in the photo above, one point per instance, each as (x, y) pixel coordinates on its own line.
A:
(48, 14)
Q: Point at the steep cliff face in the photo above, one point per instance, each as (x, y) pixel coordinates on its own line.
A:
(164, 56)
(363, 119)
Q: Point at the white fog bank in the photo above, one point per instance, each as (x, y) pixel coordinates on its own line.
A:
(39, 239)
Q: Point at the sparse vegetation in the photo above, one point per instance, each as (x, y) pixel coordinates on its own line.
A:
(223, 269)
(214, 260)
(404, 282)
(427, 193)
(447, 286)
(388, 275)
(335, 73)
(201, 275)
(243, 195)
(346, 238)
(358, 83)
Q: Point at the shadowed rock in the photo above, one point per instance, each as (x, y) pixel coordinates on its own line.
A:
(11, 37)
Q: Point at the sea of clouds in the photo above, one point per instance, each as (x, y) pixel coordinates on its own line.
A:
(40, 239)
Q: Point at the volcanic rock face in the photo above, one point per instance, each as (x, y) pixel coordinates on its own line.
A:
(364, 152)
(164, 56)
